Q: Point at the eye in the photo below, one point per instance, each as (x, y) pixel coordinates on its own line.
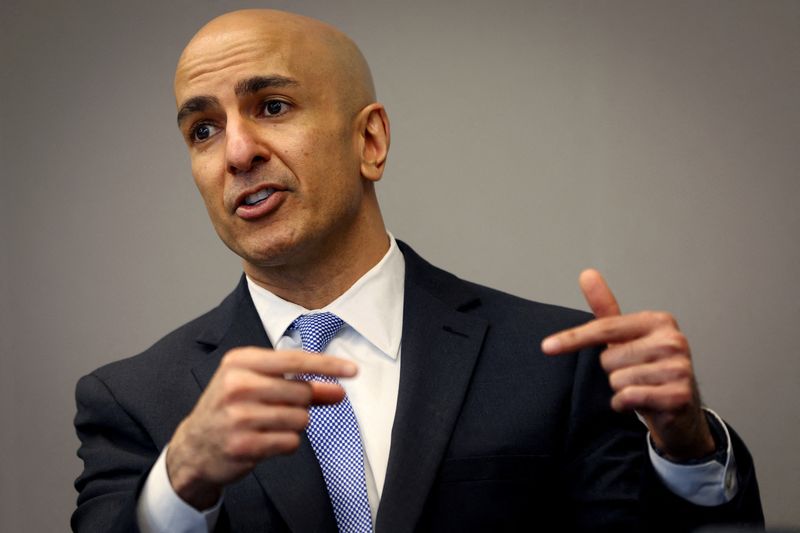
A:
(275, 108)
(201, 132)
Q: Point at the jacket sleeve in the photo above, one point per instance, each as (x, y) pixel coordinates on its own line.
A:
(743, 510)
(611, 482)
(117, 455)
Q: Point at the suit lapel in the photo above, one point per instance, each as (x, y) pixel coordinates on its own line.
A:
(293, 483)
(440, 347)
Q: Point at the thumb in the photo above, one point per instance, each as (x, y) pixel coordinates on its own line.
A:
(597, 294)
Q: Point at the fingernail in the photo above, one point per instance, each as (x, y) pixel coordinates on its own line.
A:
(551, 345)
(349, 369)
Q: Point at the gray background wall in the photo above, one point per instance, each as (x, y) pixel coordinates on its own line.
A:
(654, 140)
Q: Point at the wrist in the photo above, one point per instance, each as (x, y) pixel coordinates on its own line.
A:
(709, 444)
(187, 481)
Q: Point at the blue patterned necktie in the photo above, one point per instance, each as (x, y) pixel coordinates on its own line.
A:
(333, 433)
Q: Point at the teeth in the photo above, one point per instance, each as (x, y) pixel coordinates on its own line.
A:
(258, 196)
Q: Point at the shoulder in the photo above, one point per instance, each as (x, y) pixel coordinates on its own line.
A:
(163, 372)
(508, 307)
(155, 389)
(498, 307)
(176, 350)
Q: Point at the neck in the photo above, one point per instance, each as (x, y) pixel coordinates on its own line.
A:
(319, 280)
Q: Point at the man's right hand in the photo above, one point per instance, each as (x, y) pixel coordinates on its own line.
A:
(248, 412)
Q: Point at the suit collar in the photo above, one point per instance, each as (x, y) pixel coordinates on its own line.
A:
(372, 306)
(451, 291)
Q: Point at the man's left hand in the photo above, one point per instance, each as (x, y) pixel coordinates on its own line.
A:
(649, 367)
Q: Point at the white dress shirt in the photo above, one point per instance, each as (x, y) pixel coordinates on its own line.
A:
(372, 310)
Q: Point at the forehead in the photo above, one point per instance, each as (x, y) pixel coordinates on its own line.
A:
(217, 61)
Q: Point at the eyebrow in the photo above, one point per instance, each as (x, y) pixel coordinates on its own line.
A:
(248, 86)
(256, 83)
(197, 104)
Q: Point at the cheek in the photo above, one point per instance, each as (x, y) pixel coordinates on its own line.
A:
(326, 153)
(208, 179)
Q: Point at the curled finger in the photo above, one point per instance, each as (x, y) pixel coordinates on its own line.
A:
(670, 397)
(657, 373)
(643, 350)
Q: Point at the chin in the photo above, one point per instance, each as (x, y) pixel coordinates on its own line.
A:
(270, 252)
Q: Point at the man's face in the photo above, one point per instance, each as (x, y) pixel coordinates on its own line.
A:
(273, 145)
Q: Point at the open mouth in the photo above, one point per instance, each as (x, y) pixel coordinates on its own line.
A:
(261, 202)
(258, 196)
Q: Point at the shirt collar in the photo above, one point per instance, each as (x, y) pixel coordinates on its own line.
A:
(372, 306)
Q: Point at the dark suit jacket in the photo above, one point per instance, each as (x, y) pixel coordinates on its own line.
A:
(489, 434)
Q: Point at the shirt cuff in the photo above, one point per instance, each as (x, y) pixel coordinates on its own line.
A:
(160, 510)
(709, 483)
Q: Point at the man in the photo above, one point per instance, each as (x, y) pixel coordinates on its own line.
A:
(472, 409)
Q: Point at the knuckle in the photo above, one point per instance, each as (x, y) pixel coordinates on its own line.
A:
(267, 388)
(626, 398)
(625, 395)
(281, 417)
(616, 380)
(659, 318)
(231, 358)
(670, 347)
(678, 342)
(297, 393)
(288, 443)
(304, 418)
(294, 358)
(568, 336)
(231, 384)
(238, 416)
(679, 398)
(606, 328)
(306, 393)
(666, 319)
(632, 352)
(280, 443)
(670, 344)
(295, 419)
(616, 403)
(651, 317)
(682, 369)
(608, 360)
(299, 362)
(299, 419)
(640, 395)
(237, 446)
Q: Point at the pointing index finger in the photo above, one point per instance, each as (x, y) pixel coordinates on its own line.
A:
(603, 304)
(609, 330)
(282, 362)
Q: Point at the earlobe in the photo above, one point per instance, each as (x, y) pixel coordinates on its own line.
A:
(375, 141)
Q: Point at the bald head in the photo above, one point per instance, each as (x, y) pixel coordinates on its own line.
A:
(286, 142)
(306, 45)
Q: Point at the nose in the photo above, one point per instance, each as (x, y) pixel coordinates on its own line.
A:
(244, 150)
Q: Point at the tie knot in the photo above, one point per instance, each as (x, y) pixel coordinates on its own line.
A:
(317, 330)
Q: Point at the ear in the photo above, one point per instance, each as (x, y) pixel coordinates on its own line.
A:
(375, 138)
